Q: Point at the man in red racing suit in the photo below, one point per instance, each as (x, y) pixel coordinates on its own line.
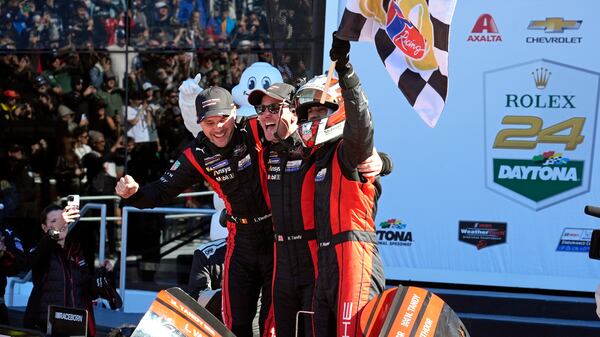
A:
(350, 271)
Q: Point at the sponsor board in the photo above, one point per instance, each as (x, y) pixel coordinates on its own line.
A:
(485, 30)
(575, 240)
(482, 234)
(393, 232)
(539, 131)
(551, 28)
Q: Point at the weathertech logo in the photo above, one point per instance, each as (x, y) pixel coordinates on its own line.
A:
(554, 26)
(482, 234)
(485, 30)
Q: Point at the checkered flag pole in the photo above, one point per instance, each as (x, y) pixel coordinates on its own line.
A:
(411, 37)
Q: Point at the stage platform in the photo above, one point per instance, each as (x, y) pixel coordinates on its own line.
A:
(485, 313)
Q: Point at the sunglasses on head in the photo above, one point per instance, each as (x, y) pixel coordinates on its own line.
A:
(274, 108)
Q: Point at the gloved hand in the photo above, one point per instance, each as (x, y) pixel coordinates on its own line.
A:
(188, 90)
(340, 52)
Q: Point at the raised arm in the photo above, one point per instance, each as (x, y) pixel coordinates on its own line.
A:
(358, 130)
(177, 179)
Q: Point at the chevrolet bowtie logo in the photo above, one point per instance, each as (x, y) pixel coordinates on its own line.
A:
(554, 25)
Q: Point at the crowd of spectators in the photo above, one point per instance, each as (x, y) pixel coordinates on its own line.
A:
(89, 88)
(93, 24)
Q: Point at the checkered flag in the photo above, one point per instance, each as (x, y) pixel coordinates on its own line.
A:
(411, 38)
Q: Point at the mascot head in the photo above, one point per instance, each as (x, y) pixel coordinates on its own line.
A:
(260, 75)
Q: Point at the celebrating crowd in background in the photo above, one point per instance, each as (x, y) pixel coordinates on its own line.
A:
(89, 88)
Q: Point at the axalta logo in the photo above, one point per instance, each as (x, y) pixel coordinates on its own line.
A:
(393, 233)
(485, 30)
(554, 25)
(540, 129)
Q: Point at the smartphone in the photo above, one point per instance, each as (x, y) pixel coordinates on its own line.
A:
(73, 201)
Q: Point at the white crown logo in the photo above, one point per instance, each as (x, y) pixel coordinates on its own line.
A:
(541, 77)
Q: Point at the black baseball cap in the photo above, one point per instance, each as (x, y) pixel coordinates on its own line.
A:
(214, 101)
(280, 91)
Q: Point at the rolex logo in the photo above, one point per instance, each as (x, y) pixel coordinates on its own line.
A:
(541, 77)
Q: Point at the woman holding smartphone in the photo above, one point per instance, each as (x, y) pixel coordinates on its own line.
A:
(63, 274)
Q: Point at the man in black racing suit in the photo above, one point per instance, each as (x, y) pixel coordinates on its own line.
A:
(227, 154)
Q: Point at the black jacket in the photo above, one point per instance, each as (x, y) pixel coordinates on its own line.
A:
(61, 276)
(12, 260)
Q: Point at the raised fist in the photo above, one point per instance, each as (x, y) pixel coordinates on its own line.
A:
(339, 52)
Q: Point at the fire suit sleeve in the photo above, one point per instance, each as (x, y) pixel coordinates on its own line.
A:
(177, 179)
(199, 275)
(358, 129)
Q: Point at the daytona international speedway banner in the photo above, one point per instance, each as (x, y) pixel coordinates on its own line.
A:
(494, 194)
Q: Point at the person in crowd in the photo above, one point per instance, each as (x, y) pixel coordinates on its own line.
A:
(58, 74)
(67, 120)
(81, 147)
(8, 105)
(102, 65)
(20, 174)
(23, 76)
(111, 95)
(80, 99)
(99, 121)
(150, 96)
(227, 154)
(197, 27)
(99, 181)
(117, 56)
(350, 270)
(68, 171)
(285, 69)
(12, 262)
(140, 34)
(171, 129)
(106, 151)
(140, 19)
(46, 101)
(63, 270)
(162, 15)
(141, 119)
(81, 25)
(222, 24)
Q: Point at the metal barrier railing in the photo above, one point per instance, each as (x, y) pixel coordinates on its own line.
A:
(124, 225)
(11, 286)
(182, 213)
